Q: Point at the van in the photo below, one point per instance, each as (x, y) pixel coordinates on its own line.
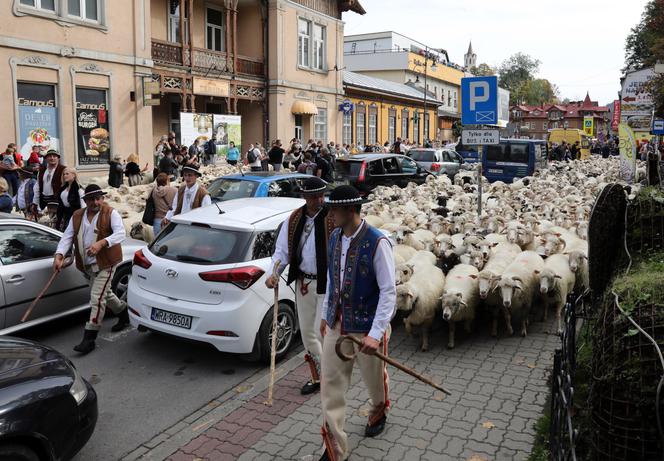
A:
(570, 136)
(513, 159)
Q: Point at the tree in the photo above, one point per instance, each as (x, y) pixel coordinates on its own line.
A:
(540, 91)
(483, 70)
(515, 72)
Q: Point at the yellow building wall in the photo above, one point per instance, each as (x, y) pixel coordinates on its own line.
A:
(442, 72)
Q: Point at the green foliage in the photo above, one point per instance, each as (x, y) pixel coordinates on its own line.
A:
(540, 91)
(515, 73)
(483, 70)
(541, 450)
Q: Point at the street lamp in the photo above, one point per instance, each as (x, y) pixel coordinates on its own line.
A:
(434, 68)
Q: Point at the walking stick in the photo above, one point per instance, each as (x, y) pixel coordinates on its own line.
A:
(384, 358)
(273, 353)
(32, 305)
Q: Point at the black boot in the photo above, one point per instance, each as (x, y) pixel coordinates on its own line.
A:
(123, 321)
(88, 344)
(375, 429)
(309, 388)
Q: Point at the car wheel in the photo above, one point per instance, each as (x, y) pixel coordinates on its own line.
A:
(17, 453)
(120, 282)
(285, 332)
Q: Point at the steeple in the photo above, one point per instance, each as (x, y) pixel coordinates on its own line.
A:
(470, 59)
(587, 102)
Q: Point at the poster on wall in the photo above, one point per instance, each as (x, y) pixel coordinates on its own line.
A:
(636, 102)
(195, 126)
(92, 130)
(227, 129)
(38, 117)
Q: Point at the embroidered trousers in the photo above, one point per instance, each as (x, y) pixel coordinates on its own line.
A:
(102, 297)
(309, 315)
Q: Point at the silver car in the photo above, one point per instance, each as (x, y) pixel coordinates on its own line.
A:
(437, 161)
(26, 264)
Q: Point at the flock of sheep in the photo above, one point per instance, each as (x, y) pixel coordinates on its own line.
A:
(528, 248)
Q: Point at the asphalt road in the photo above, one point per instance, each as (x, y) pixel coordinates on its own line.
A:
(146, 382)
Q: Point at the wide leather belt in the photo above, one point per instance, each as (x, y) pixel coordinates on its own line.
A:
(309, 276)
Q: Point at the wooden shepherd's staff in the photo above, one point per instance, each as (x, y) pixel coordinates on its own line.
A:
(273, 354)
(32, 305)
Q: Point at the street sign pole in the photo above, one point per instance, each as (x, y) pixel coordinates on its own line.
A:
(480, 152)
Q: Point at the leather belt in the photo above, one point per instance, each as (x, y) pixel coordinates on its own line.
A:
(309, 276)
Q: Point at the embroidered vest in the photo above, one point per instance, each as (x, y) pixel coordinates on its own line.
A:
(323, 226)
(355, 298)
(56, 183)
(196, 203)
(107, 256)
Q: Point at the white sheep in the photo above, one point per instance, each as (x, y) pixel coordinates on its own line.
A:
(460, 298)
(556, 282)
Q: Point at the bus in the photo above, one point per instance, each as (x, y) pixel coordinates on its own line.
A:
(468, 153)
(513, 159)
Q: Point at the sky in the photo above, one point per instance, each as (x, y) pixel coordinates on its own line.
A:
(580, 43)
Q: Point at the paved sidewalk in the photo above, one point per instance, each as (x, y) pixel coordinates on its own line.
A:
(498, 388)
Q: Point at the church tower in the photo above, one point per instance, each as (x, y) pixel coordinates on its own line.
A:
(470, 59)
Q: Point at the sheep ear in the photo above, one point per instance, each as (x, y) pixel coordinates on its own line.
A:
(463, 303)
(517, 279)
(494, 244)
(410, 266)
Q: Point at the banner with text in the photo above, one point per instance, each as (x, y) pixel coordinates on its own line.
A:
(92, 130)
(38, 117)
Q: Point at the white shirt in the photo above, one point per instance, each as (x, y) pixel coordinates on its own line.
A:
(383, 262)
(188, 199)
(308, 256)
(64, 196)
(90, 237)
(48, 185)
(19, 198)
(257, 153)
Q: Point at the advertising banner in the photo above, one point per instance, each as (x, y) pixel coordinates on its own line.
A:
(92, 130)
(636, 101)
(615, 121)
(38, 117)
(627, 152)
(226, 129)
(195, 126)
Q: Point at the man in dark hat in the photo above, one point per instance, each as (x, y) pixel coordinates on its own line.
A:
(49, 181)
(96, 233)
(190, 195)
(302, 244)
(360, 302)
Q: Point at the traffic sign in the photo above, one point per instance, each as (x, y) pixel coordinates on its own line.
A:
(658, 127)
(479, 100)
(480, 137)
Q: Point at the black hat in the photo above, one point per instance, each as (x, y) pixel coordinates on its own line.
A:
(52, 152)
(93, 190)
(26, 172)
(313, 185)
(345, 196)
(191, 169)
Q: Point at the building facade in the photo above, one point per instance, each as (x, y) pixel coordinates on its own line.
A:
(392, 56)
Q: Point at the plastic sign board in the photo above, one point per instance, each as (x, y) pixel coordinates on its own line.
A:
(479, 100)
(480, 137)
(588, 125)
(658, 127)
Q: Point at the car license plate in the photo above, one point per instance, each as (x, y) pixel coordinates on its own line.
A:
(171, 318)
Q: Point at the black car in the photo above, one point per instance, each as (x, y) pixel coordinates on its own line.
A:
(366, 171)
(47, 410)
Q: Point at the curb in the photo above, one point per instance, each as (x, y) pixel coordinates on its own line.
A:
(170, 440)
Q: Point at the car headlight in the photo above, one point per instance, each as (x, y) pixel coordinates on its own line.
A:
(78, 390)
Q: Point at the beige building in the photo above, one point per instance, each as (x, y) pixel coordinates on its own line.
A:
(130, 67)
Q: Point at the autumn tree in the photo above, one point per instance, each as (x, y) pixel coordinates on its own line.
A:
(483, 70)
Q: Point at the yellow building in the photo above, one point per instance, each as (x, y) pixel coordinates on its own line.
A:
(377, 111)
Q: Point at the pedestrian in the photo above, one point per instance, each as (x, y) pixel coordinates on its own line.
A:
(96, 233)
(254, 158)
(325, 164)
(396, 148)
(163, 195)
(574, 151)
(606, 150)
(302, 245)
(6, 202)
(233, 154)
(360, 301)
(189, 196)
(49, 181)
(69, 200)
(115, 171)
(210, 150)
(276, 155)
(265, 161)
(167, 164)
(308, 166)
(133, 170)
(9, 168)
(194, 148)
(26, 192)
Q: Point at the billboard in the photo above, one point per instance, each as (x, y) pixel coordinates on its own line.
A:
(93, 139)
(226, 128)
(615, 121)
(37, 117)
(636, 103)
(627, 152)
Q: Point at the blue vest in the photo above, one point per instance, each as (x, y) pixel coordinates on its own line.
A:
(355, 297)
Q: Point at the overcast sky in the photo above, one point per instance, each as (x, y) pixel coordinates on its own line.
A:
(580, 43)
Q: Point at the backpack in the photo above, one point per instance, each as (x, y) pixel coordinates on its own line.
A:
(251, 156)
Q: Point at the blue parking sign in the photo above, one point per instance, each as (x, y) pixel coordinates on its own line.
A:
(479, 100)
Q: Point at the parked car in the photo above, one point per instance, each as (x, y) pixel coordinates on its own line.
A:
(437, 161)
(367, 171)
(48, 411)
(26, 264)
(256, 184)
(203, 278)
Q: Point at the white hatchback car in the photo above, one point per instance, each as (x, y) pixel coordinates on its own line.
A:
(203, 278)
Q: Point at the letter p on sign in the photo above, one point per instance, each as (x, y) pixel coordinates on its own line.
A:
(479, 93)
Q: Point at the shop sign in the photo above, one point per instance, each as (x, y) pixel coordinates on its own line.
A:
(38, 117)
(347, 107)
(210, 87)
(92, 128)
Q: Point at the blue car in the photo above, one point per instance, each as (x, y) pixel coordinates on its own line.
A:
(256, 184)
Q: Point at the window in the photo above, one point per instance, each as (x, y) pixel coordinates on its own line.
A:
(347, 129)
(360, 124)
(174, 25)
(229, 189)
(281, 188)
(404, 125)
(214, 39)
(392, 126)
(416, 128)
(264, 245)
(320, 124)
(304, 40)
(545, 125)
(408, 166)
(449, 98)
(48, 5)
(455, 99)
(426, 126)
(22, 243)
(84, 9)
(373, 123)
(311, 45)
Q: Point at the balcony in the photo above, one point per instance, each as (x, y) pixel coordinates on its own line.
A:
(205, 61)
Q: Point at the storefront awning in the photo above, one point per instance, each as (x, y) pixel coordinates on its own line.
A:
(304, 108)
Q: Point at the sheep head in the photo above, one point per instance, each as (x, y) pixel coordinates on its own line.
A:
(403, 273)
(487, 282)
(405, 297)
(548, 279)
(576, 260)
(508, 287)
(452, 303)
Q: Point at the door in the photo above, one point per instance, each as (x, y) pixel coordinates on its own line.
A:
(451, 163)
(409, 171)
(299, 127)
(26, 254)
(392, 173)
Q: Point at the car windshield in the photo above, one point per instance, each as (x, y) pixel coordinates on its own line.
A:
(201, 244)
(422, 155)
(347, 168)
(230, 189)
